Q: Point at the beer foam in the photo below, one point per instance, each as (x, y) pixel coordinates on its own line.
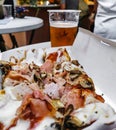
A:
(63, 24)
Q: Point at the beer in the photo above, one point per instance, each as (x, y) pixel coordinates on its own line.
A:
(63, 26)
(63, 33)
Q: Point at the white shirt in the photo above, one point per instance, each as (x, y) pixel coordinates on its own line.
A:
(105, 21)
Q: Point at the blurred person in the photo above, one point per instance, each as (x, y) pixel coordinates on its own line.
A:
(104, 19)
(84, 21)
(78, 5)
(69, 4)
(84, 8)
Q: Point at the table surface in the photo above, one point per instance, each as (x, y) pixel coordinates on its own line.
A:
(21, 24)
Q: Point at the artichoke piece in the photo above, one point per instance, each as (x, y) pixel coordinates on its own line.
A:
(68, 111)
(5, 67)
(2, 92)
(43, 75)
(75, 121)
(57, 104)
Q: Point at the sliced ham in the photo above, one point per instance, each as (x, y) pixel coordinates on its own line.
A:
(59, 80)
(33, 86)
(41, 95)
(65, 89)
(73, 97)
(21, 110)
(38, 108)
(52, 90)
(47, 66)
(34, 106)
(52, 56)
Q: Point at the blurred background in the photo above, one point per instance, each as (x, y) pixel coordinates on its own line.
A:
(38, 8)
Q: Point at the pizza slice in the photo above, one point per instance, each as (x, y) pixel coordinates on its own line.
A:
(56, 95)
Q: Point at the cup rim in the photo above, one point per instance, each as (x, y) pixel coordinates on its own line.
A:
(9, 5)
(64, 10)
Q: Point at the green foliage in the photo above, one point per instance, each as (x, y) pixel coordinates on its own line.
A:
(32, 2)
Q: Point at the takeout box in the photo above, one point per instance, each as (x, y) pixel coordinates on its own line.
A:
(96, 54)
(98, 57)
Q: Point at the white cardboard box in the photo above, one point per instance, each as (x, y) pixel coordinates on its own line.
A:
(98, 57)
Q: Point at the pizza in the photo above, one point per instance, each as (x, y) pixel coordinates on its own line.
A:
(56, 94)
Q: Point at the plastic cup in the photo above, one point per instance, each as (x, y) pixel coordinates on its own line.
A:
(63, 26)
(7, 11)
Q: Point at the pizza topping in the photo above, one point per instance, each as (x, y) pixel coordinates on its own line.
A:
(63, 55)
(86, 82)
(91, 96)
(52, 90)
(74, 74)
(5, 67)
(73, 97)
(21, 89)
(38, 108)
(75, 62)
(58, 66)
(1, 126)
(43, 75)
(52, 56)
(59, 80)
(47, 66)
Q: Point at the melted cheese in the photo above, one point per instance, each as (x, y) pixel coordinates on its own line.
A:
(7, 112)
(93, 112)
(45, 124)
(21, 125)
